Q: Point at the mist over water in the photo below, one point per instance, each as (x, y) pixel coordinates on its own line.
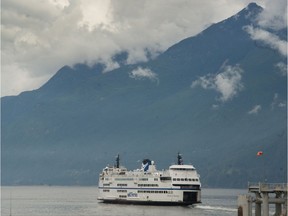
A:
(82, 201)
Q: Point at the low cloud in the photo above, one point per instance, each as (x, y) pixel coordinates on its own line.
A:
(277, 102)
(39, 37)
(269, 39)
(255, 110)
(143, 73)
(227, 83)
(274, 16)
(282, 68)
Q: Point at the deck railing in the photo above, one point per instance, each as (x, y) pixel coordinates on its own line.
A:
(267, 186)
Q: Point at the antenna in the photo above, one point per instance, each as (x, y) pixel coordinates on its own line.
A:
(179, 159)
(118, 161)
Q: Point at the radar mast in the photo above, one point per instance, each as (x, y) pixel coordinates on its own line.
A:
(179, 159)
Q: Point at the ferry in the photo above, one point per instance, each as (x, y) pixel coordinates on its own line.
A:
(179, 185)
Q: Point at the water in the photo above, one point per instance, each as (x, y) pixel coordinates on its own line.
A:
(82, 201)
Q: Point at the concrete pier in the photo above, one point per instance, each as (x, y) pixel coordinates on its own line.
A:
(261, 195)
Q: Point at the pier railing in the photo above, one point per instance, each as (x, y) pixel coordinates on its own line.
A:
(267, 187)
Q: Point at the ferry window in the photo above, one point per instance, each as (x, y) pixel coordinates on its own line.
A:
(189, 179)
(143, 179)
(148, 185)
(182, 179)
(178, 179)
(155, 179)
(174, 179)
(196, 179)
(166, 178)
(124, 179)
(193, 179)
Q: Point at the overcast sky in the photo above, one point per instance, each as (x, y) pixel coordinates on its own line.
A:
(38, 37)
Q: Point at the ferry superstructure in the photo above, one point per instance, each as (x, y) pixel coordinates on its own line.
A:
(179, 185)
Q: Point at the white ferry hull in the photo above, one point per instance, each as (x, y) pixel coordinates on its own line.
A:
(182, 198)
(179, 185)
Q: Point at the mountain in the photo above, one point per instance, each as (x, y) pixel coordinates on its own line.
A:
(217, 97)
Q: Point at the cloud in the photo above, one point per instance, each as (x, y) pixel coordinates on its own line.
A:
(269, 39)
(227, 83)
(274, 16)
(277, 102)
(255, 110)
(39, 37)
(282, 68)
(17, 85)
(143, 73)
(282, 104)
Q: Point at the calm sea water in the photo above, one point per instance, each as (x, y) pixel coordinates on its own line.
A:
(82, 201)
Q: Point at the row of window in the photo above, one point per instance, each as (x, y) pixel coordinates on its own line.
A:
(183, 169)
(143, 179)
(155, 179)
(184, 179)
(122, 185)
(143, 191)
(165, 178)
(155, 191)
(148, 185)
(124, 179)
(130, 179)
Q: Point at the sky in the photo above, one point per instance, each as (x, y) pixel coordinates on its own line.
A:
(38, 37)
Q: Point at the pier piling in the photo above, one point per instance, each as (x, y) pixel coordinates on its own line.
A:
(261, 195)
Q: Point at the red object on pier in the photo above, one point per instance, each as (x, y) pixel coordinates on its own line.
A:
(259, 153)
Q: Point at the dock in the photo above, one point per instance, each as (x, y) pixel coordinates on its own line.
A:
(260, 197)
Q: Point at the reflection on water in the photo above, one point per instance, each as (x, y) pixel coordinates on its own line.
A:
(82, 201)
